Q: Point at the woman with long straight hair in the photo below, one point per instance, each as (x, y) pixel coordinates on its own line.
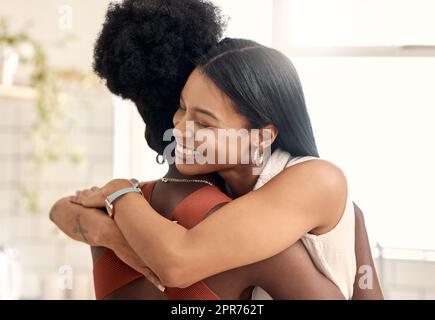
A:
(237, 85)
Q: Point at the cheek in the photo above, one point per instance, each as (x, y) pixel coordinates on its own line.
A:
(223, 147)
(232, 149)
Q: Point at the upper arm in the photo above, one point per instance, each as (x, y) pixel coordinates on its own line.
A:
(292, 275)
(305, 197)
(364, 259)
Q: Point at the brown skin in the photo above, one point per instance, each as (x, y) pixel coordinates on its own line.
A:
(364, 258)
(298, 277)
(240, 233)
(90, 225)
(204, 105)
(171, 251)
(298, 280)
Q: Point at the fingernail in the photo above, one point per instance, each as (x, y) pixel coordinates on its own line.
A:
(161, 288)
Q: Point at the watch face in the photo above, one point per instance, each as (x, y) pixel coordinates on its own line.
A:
(109, 208)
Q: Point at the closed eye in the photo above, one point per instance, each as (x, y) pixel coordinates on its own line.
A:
(203, 125)
(198, 123)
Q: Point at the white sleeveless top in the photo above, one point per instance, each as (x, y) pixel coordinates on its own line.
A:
(333, 252)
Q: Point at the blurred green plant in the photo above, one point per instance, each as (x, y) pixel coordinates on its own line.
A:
(49, 144)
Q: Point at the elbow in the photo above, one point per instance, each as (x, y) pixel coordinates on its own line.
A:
(170, 277)
(171, 261)
(175, 272)
(176, 278)
(52, 213)
(56, 209)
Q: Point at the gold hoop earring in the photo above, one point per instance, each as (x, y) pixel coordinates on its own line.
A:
(258, 159)
(160, 159)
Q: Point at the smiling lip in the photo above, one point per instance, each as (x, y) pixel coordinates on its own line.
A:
(184, 152)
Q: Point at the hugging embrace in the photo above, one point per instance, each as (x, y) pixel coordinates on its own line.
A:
(247, 209)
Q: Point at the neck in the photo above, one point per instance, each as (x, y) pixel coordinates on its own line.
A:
(173, 172)
(240, 179)
(212, 177)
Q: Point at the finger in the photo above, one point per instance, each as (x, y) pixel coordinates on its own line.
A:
(93, 200)
(94, 188)
(81, 192)
(86, 192)
(76, 199)
(151, 276)
(81, 199)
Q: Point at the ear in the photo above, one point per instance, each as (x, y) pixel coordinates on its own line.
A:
(267, 136)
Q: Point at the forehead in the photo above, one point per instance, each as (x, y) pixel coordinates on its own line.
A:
(200, 91)
(199, 88)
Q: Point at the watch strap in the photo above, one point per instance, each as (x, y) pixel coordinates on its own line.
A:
(111, 198)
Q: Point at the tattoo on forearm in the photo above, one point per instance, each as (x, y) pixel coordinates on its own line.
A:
(79, 229)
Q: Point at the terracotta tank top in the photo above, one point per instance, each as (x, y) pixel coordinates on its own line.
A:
(110, 273)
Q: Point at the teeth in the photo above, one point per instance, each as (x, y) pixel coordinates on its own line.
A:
(188, 152)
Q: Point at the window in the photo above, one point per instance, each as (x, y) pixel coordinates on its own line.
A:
(133, 158)
(356, 22)
(368, 73)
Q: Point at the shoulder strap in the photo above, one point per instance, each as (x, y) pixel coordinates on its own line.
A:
(296, 160)
(193, 208)
(147, 189)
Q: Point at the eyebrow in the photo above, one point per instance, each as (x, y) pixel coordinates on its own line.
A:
(201, 110)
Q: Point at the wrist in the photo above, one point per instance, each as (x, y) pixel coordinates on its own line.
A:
(124, 202)
(107, 234)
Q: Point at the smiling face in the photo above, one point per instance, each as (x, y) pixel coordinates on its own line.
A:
(211, 136)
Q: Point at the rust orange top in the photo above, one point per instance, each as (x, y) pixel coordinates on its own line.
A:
(111, 273)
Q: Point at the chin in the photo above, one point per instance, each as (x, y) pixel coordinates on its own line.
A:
(196, 169)
(191, 169)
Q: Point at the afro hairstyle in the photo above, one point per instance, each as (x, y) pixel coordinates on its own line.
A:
(147, 49)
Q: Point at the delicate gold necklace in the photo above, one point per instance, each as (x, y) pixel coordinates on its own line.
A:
(165, 180)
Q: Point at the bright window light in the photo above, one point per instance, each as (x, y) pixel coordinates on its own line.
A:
(359, 22)
(374, 118)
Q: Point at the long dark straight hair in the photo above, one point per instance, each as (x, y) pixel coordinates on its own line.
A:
(264, 87)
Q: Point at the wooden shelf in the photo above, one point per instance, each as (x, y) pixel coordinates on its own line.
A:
(17, 92)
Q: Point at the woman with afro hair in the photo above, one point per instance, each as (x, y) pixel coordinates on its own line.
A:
(146, 52)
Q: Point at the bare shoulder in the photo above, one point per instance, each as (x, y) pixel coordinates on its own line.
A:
(319, 186)
(319, 170)
(322, 173)
(142, 183)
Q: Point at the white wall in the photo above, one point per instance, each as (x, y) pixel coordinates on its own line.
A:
(407, 279)
(250, 19)
(38, 247)
(52, 22)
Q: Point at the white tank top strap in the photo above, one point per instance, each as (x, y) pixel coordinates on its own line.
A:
(295, 160)
(333, 252)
